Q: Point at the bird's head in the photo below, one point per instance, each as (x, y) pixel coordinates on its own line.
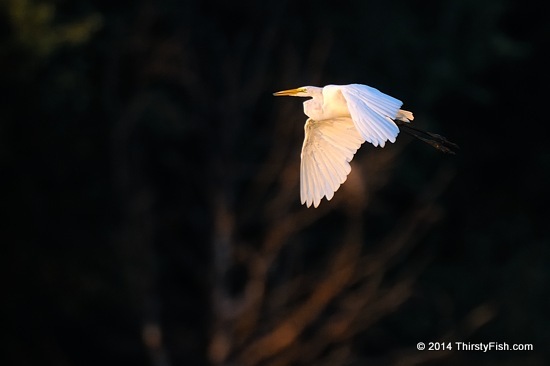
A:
(303, 91)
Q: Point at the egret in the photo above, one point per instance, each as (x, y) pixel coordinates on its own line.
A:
(341, 118)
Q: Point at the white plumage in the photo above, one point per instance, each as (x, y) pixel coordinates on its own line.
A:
(341, 118)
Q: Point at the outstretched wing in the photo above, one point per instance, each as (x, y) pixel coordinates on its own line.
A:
(329, 146)
(372, 112)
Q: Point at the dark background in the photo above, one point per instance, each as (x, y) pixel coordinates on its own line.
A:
(150, 202)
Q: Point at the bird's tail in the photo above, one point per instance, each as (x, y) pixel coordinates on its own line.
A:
(437, 141)
(405, 116)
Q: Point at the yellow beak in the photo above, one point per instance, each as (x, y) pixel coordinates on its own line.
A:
(288, 92)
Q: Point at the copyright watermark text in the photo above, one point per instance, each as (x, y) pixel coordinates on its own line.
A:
(468, 346)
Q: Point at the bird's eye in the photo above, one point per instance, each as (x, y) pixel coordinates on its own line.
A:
(303, 90)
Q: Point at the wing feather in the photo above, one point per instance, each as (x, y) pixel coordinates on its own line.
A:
(322, 185)
(364, 126)
(329, 146)
(314, 186)
(377, 123)
(306, 180)
(333, 172)
(372, 112)
(388, 126)
(338, 165)
(339, 144)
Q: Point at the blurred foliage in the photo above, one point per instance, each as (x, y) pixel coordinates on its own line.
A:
(34, 27)
(150, 184)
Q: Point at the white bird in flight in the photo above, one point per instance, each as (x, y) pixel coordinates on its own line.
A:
(341, 118)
